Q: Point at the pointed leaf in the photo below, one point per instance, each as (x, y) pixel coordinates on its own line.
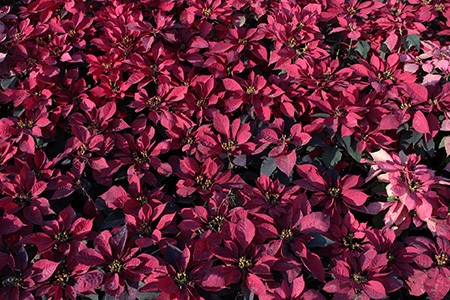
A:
(89, 281)
(90, 257)
(315, 222)
(287, 162)
(375, 289)
(255, 284)
(44, 269)
(118, 240)
(420, 123)
(245, 232)
(222, 124)
(232, 85)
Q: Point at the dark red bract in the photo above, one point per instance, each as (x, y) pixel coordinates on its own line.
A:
(224, 149)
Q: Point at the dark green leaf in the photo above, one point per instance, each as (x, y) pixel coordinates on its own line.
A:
(147, 296)
(268, 166)
(282, 72)
(173, 255)
(115, 219)
(350, 146)
(319, 241)
(412, 40)
(8, 83)
(363, 48)
(331, 156)
(383, 50)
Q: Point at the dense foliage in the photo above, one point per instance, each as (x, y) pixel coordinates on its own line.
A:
(224, 149)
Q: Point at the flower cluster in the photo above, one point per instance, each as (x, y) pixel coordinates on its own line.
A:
(184, 149)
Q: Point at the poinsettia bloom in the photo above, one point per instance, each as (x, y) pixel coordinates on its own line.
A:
(181, 276)
(294, 290)
(122, 264)
(398, 257)
(294, 29)
(332, 193)
(382, 74)
(203, 95)
(433, 258)
(270, 196)
(165, 98)
(232, 139)
(243, 91)
(150, 224)
(401, 17)
(208, 222)
(98, 119)
(352, 8)
(76, 28)
(25, 129)
(243, 259)
(135, 197)
(204, 178)
(108, 64)
(363, 277)
(284, 155)
(61, 233)
(69, 279)
(349, 234)
(239, 39)
(292, 231)
(141, 154)
(22, 194)
(84, 145)
(410, 187)
(20, 278)
(345, 113)
(207, 11)
(350, 27)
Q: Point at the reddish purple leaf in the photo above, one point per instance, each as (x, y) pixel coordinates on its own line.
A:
(245, 232)
(232, 85)
(255, 284)
(287, 162)
(420, 123)
(315, 222)
(374, 289)
(44, 269)
(89, 281)
(222, 124)
(90, 257)
(10, 224)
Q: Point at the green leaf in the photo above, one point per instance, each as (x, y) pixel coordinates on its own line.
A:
(442, 142)
(268, 166)
(350, 146)
(412, 40)
(383, 50)
(363, 48)
(242, 21)
(319, 241)
(282, 72)
(8, 83)
(331, 156)
(147, 296)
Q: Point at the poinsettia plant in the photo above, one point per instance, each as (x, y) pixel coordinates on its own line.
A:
(224, 149)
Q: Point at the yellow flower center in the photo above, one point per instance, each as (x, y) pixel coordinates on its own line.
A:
(334, 192)
(441, 259)
(62, 237)
(286, 234)
(244, 263)
(115, 267)
(181, 279)
(358, 278)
